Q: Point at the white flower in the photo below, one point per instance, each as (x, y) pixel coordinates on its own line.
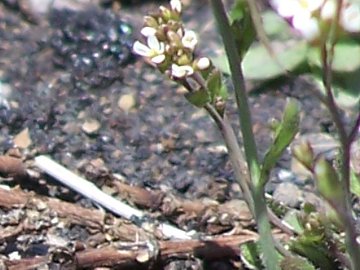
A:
(148, 31)
(189, 40)
(291, 8)
(301, 14)
(203, 63)
(328, 10)
(175, 5)
(181, 71)
(154, 49)
(350, 18)
(307, 26)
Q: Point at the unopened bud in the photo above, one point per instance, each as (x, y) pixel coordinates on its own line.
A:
(174, 39)
(202, 63)
(327, 180)
(150, 22)
(165, 13)
(304, 153)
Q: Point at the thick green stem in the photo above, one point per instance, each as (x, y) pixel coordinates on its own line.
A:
(270, 257)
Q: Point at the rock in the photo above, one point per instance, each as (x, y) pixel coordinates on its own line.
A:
(90, 126)
(288, 194)
(126, 102)
(22, 139)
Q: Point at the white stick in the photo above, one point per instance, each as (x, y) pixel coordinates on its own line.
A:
(90, 191)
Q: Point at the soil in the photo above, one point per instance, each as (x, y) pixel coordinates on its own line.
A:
(72, 89)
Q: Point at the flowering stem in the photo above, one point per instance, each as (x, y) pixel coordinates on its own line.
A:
(327, 53)
(266, 240)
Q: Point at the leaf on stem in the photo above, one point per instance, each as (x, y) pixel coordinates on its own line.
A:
(284, 135)
(198, 98)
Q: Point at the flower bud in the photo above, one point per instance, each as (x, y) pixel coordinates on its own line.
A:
(327, 181)
(173, 38)
(150, 22)
(304, 153)
(165, 13)
(202, 63)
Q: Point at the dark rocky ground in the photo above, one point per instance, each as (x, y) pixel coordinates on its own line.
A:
(71, 89)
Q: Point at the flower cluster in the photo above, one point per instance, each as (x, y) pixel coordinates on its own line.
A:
(311, 18)
(169, 45)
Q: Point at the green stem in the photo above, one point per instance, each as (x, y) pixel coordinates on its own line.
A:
(327, 54)
(270, 257)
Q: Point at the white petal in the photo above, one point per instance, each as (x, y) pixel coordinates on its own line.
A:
(148, 31)
(176, 5)
(328, 11)
(285, 8)
(181, 71)
(189, 39)
(158, 59)
(350, 18)
(311, 5)
(155, 45)
(307, 26)
(141, 49)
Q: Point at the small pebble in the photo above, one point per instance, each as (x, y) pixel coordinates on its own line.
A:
(126, 102)
(22, 139)
(90, 126)
(289, 194)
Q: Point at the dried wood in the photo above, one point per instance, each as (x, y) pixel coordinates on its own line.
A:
(139, 255)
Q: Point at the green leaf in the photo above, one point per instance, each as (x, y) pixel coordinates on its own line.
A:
(259, 65)
(251, 255)
(276, 27)
(242, 26)
(346, 56)
(328, 182)
(346, 88)
(292, 219)
(284, 135)
(296, 263)
(214, 84)
(198, 98)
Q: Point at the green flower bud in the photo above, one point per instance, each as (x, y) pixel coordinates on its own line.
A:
(150, 22)
(183, 60)
(304, 153)
(328, 182)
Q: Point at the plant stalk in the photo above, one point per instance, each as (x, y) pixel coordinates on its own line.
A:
(270, 257)
(327, 55)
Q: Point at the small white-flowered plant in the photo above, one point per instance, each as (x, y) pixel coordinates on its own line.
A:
(309, 17)
(154, 50)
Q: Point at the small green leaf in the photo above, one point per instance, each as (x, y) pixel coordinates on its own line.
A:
(296, 263)
(292, 219)
(284, 135)
(259, 65)
(214, 84)
(276, 27)
(327, 181)
(198, 98)
(251, 255)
